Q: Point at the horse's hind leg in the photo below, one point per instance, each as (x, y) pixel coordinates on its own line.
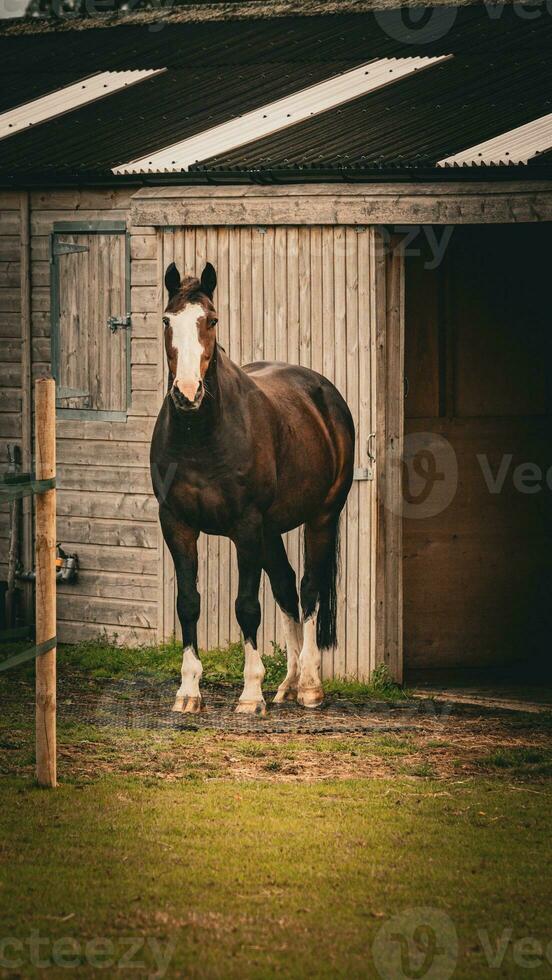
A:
(249, 546)
(318, 607)
(284, 589)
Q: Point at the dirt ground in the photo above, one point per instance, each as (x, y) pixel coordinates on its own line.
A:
(108, 727)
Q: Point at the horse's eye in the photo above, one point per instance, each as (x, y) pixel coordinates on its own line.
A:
(166, 321)
(214, 321)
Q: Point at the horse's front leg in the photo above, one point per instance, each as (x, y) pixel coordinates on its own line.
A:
(182, 543)
(248, 613)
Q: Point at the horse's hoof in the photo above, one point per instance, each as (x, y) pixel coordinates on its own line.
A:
(310, 697)
(188, 705)
(251, 708)
(285, 694)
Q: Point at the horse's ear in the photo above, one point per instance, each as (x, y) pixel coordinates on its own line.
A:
(209, 280)
(172, 280)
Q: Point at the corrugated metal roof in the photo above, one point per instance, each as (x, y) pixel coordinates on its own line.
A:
(276, 116)
(218, 71)
(517, 145)
(421, 119)
(70, 97)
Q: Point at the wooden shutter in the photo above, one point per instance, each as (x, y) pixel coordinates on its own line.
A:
(91, 329)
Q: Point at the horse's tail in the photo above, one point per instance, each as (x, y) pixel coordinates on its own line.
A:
(326, 620)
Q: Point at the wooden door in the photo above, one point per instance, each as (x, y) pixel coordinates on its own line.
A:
(90, 322)
(309, 295)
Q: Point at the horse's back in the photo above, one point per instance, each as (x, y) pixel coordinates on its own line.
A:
(286, 384)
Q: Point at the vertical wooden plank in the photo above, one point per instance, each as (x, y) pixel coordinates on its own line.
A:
(316, 288)
(352, 571)
(304, 275)
(389, 413)
(340, 381)
(293, 357)
(226, 617)
(246, 298)
(165, 255)
(266, 633)
(258, 351)
(394, 393)
(366, 546)
(257, 293)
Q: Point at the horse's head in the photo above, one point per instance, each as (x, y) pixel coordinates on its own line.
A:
(190, 337)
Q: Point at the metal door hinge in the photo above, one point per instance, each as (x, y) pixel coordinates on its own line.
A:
(67, 248)
(363, 473)
(118, 322)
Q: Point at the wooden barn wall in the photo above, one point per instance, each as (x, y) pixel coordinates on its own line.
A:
(10, 344)
(302, 295)
(106, 511)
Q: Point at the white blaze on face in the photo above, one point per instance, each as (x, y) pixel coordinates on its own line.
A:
(185, 340)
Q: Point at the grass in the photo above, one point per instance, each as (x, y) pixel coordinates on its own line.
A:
(103, 658)
(231, 879)
(212, 855)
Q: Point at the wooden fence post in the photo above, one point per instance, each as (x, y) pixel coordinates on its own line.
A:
(45, 455)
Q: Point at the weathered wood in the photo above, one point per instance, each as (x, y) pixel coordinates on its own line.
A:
(377, 204)
(42, 222)
(108, 612)
(78, 632)
(130, 561)
(116, 533)
(10, 300)
(45, 616)
(109, 585)
(10, 273)
(10, 400)
(92, 478)
(144, 271)
(133, 430)
(109, 453)
(79, 200)
(9, 248)
(111, 505)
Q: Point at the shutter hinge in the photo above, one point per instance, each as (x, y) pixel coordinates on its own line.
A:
(67, 248)
(118, 322)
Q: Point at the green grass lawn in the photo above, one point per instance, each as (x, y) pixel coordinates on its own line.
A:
(203, 854)
(233, 879)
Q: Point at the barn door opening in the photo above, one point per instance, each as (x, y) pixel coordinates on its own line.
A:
(478, 432)
(329, 298)
(90, 319)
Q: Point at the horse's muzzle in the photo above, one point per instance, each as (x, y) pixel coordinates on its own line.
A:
(183, 403)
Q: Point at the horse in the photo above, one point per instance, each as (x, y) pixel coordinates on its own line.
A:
(249, 453)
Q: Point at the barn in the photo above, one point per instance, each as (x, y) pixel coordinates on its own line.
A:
(374, 191)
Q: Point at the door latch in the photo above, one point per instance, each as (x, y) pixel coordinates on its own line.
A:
(118, 322)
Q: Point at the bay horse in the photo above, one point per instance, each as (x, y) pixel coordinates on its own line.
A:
(249, 453)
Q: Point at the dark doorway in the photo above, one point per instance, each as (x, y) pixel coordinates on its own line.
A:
(478, 451)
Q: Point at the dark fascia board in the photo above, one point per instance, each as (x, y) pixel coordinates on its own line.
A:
(211, 12)
(286, 175)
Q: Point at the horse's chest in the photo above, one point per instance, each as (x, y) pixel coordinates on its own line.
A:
(202, 505)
